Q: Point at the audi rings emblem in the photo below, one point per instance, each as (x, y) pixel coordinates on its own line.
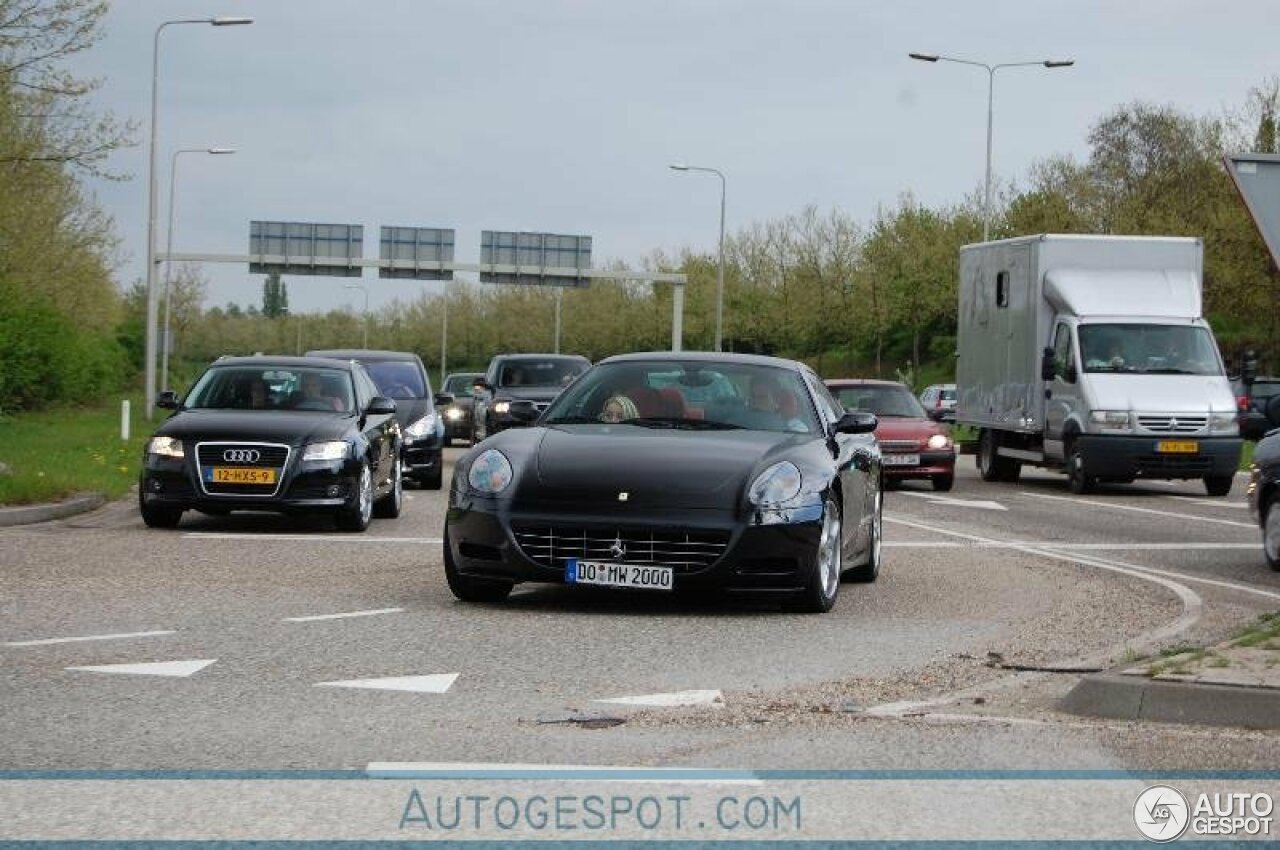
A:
(241, 455)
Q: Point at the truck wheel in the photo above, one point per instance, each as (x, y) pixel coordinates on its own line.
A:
(1218, 485)
(986, 459)
(1271, 533)
(1080, 483)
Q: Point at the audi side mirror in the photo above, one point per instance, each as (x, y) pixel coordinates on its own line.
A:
(167, 400)
(380, 406)
(444, 399)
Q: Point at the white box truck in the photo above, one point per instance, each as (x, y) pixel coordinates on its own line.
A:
(1090, 355)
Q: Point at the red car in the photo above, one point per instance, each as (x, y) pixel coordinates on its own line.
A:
(911, 444)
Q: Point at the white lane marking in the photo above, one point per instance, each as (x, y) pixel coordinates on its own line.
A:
(1215, 503)
(1115, 506)
(317, 617)
(670, 700)
(433, 683)
(121, 636)
(1118, 566)
(308, 538)
(591, 771)
(958, 503)
(1059, 544)
(177, 669)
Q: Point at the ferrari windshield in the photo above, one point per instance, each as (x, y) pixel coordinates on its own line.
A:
(691, 395)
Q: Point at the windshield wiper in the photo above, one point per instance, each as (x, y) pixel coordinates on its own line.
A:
(573, 420)
(1169, 370)
(682, 422)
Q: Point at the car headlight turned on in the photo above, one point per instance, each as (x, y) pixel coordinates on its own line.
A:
(490, 473)
(333, 450)
(501, 407)
(1223, 423)
(939, 441)
(420, 428)
(453, 414)
(166, 447)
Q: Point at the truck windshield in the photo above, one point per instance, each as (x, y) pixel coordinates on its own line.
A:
(1149, 349)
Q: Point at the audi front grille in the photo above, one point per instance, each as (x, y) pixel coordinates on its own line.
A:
(241, 455)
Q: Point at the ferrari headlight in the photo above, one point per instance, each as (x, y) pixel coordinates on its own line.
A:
(776, 486)
(453, 414)
(501, 407)
(332, 450)
(939, 441)
(491, 472)
(420, 428)
(1223, 423)
(165, 447)
(1111, 420)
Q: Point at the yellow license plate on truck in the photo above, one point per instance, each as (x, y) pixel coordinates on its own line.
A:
(241, 475)
(1178, 447)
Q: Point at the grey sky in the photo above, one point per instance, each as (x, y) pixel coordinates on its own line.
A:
(561, 115)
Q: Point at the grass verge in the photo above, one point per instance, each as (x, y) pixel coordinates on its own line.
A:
(53, 453)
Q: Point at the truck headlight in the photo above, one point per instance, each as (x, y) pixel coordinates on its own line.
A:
(1223, 423)
(166, 447)
(491, 473)
(332, 450)
(420, 428)
(1110, 420)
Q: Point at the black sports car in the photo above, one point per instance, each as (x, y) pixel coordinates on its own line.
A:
(401, 377)
(668, 471)
(283, 434)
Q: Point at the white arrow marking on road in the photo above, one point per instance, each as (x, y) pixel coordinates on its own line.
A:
(1118, 507)
(317, 617)
(1216, 503)
(958, 503)
(177, 669)
(49, 641)
(671, 700)
(433, 683)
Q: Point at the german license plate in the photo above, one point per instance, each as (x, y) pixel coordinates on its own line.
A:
(901, 460)
(617, 575)
(1181, 447)
(239, 475)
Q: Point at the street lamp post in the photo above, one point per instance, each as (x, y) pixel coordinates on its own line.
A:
(680, 166)
(991, 84)
(152, 299)
(166, 341)
(366, 308)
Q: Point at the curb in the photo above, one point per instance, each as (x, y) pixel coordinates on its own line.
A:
(28, 514)
(1138, 698)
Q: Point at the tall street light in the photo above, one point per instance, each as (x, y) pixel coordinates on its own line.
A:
(166, 341)
(363, 289)
(991, 84)
(152, 299)
(680, 166)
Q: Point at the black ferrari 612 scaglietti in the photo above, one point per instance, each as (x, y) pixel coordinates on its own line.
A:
(294, 435)
(672, 471)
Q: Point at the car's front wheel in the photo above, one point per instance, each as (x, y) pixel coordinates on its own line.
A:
(160, 517)
(943, 483)
(1271, 532)
(823, 583)
(470, 589)
(355, 516)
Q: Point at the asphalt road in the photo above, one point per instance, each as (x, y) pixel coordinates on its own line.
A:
(900, 674)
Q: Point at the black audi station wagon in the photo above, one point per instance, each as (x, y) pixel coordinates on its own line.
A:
(293, 435)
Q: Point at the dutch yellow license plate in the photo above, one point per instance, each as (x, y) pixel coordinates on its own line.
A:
(241, 475)
(1179, 447)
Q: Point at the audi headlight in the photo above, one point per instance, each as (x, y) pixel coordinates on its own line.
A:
(166, 447)
(1110, 420)
(491, 472)
(453, 414)
(420, 428)
(333, 450)
(776, 486)
(939, 441)
(501, 407)
(1223, 423)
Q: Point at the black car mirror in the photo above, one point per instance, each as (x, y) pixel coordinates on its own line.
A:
(523, 411)
(380, 405)
(1047, 365)
(167, 400)
(857, 422)
(444, 399)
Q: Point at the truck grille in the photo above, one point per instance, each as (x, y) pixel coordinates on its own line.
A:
(686, 551)
(241, 455)
(1173, 424)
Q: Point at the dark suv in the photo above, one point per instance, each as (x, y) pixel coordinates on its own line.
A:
(1252, 415)
(401, 376)
(534, 378)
